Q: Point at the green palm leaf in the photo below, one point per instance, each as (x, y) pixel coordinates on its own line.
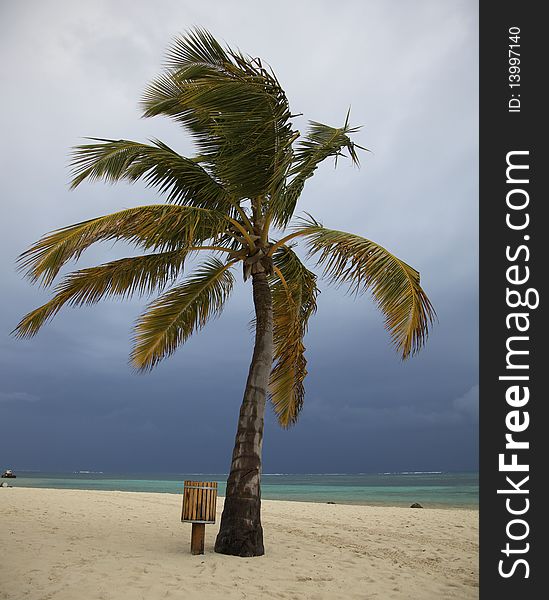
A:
(294, 293)
(171, 319)
(235, 109)
(197, 48)
(182, 179)
(320, 142)
(156, 227)
(124, 278)
(365, 265)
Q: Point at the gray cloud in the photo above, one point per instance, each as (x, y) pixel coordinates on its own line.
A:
(18, 397)
(468, 403)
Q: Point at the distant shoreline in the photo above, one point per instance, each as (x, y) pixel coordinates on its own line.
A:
(470, 507)
(435, 490)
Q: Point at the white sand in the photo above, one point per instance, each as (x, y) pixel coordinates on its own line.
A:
(83, 545)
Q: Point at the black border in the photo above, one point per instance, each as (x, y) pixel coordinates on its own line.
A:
(502, 131)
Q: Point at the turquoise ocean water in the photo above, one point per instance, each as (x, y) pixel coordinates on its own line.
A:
(436, 490)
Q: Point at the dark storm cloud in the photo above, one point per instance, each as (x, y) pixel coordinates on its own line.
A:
(409, 71)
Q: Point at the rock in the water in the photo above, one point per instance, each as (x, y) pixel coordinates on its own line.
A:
(416, 505)
(330, 502)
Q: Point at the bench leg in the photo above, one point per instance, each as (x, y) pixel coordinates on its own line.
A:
(197, 538)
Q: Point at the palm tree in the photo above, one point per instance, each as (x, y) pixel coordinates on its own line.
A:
(235, 200)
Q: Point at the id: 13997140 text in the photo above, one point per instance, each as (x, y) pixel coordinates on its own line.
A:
(514, 69)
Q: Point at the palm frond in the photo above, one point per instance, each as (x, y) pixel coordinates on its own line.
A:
(294, 293)
(157, 227)
(197, 48)
(124, 278)
(365, 265)
(320, 142)
(235, 109)
(183, 180)
(172, 318)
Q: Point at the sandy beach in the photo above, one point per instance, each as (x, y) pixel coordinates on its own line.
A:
(65, 544)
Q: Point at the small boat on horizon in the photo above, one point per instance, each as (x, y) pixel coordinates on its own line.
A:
(8, 474)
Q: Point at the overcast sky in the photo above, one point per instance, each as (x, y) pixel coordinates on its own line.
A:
(409, 71)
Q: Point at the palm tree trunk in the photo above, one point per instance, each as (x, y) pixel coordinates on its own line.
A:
(240, 533)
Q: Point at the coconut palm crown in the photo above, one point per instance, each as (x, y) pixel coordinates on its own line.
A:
(233, 202)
